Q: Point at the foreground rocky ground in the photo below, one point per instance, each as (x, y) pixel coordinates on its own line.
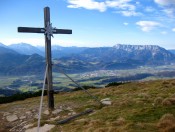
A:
(20, 116)
(136, 107)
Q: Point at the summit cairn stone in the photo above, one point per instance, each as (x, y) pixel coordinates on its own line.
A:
(106, 101)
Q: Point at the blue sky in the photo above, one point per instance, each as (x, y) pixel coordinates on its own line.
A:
(94, 22)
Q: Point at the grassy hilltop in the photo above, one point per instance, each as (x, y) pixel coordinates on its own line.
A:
(136, 107)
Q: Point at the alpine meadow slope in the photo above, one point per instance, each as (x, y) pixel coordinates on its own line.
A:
(136, 107)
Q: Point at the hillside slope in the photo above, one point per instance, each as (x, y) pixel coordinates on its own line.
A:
(136, 107)
(14, 63)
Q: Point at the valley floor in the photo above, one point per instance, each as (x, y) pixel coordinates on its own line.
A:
(136, 107)
(12, 84)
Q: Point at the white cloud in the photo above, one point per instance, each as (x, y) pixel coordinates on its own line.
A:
(165, 2)
(87, 4)
(147, 26)
(126, 24)
(149, 9)
(120, 4)
(169, 11)
(138, 3)
(130, 13)
(173, 29)
(168, 7)
(123, 7)
(164, 32)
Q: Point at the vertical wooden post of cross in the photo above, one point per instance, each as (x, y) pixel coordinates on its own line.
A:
(48, 61)
(48, 30)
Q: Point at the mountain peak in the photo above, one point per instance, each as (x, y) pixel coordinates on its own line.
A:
(136, 47)
(20, 44)
(24, 48)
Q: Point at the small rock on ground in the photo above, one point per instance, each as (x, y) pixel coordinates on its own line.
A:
(6, 114)
(53, 119)
(22, 117)
(106, 101)
(45, 128)
(56, 111)
(46, 112)
(11, 118)
(27, 126)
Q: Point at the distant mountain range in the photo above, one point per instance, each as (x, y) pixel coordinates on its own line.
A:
(118, 57)
(12, 62)
(57, 51)
(27, 59)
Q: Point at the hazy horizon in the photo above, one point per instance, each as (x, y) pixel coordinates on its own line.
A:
(84, 46)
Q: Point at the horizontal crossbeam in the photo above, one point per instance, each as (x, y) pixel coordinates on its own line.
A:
(63, 31)
(42, 30)
(31, 30)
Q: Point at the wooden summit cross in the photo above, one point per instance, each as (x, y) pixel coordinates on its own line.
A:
(48, 30)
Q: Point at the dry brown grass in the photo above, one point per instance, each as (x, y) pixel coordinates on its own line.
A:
(168, 101)
(173, 96)
(165, 82)
(144, 95)
(167, 123)
(158, 101)
(108, 129)
(95, 123)
(101, 130)
(119, 122)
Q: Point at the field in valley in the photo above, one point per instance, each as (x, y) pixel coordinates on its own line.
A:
(11, 84)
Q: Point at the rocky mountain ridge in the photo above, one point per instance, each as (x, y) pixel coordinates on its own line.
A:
(81, 59)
